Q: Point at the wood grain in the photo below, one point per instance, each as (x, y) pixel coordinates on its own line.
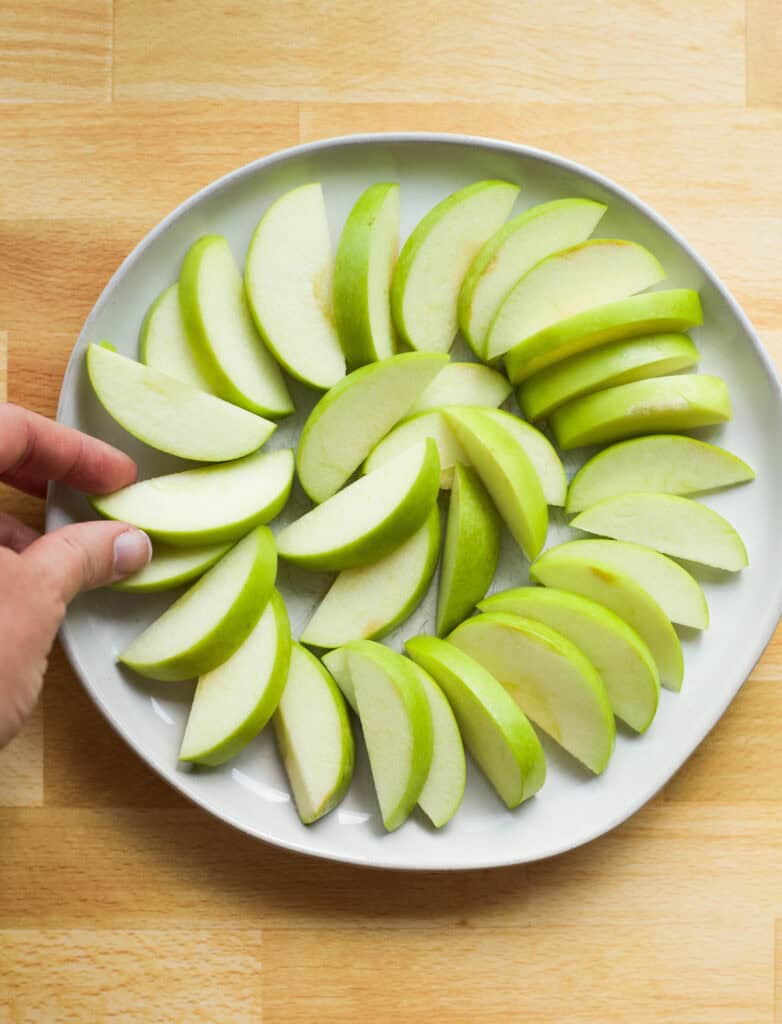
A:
(764, 53)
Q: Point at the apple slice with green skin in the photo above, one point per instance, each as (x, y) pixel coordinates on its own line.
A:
(170, 415)
(369, 518)
(512, 251)
(362, 276)
(313, 734)
(670, 524)
(664, 463)
(495, 731)
(436, 257)
(288, 279)
(367, 602)
(221, 331)
(208, 504)
(550, 679)
(541, 453)
(355, 415)
(233, 702)
(462, 384)
(664, 404)
(397, 726)
(164, 344)
(590, 274)
(507, 473)
(212, 619)
(171, 567)
(654, 355)
(620, 656)
(676, 309)
(471, 550)
(565, 568)
(412, 432)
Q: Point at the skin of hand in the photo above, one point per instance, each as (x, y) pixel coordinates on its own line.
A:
(39, 575)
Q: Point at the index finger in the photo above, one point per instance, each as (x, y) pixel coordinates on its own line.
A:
(34, 450)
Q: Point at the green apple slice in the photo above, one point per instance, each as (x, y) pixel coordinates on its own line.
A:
(512, 251)
(471, 550)
(313, 734)
(212, 503)
(507, 473)
(590, 274)
(367, 602)
(397, 726)
(654, 355)
(668, 523)
(336, 662)
(676, 309)
(362, 276)
(233, 702)
(664, 463)
(436, 257)
(172, 566)
(664, 404)
(565, 568)
(620, 656)
(495, 731)
(211, 620)
(351, 419)
(462, 384)
(164, 344)
(550, 679)
(541, 453)
(413, 432)
(288, 278)
(170, 415)
(369, 518)
(221, 330)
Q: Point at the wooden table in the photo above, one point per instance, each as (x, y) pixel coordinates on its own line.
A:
(119, 900)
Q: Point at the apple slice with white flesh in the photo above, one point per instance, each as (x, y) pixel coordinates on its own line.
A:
(212, 619)
(369, 518)
(662, 405)
(590, 274)
(436, 257)
(362, 276)
(336, 662)
(550, 679)
(314, 737)
(676, 309)
(565, 568)
(495, 731)
(664, 463)
(512, 251)
(620, 656)
(470, 552)
(541, 453)
(171, 567)
(288, 278)
(367, 602)
(654, 355)
(164, 343)
(234, 701)
(212, 503)
(462, 384)
(221, 331)
(507, 473)
(678, 593)
(397, 726)
(172, 416)
(412, 432)
(349, 421)
(670, 524)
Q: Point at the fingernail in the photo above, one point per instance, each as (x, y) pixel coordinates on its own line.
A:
(132, 551)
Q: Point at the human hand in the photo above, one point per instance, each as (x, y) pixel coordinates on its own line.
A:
(39, 575)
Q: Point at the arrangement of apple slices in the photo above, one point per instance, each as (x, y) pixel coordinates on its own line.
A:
(591, 352)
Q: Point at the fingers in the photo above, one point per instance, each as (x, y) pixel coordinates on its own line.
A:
(34, 450)
(87, 555)
(15, 535)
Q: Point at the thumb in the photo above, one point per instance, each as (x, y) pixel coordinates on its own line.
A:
(87, 555)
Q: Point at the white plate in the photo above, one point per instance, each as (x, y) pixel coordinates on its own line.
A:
(251, 792)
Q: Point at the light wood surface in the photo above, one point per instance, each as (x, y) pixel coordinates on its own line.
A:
(120, 901)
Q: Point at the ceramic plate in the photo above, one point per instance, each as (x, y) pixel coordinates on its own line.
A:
(251, 792)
